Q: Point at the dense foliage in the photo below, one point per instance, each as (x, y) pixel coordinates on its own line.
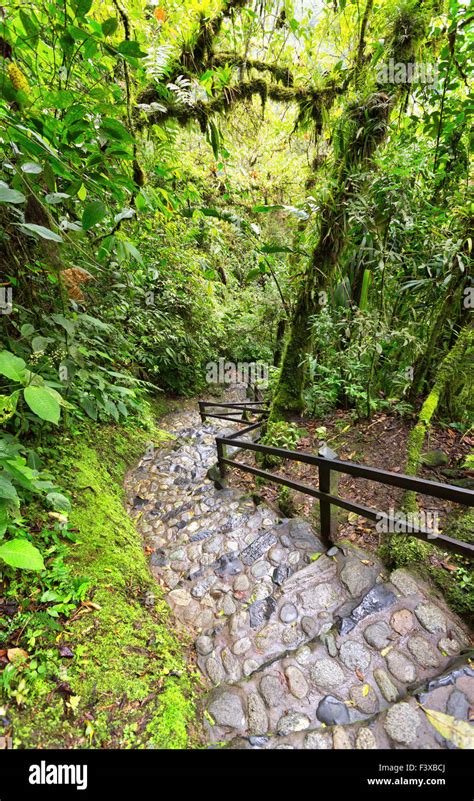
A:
(184, 182)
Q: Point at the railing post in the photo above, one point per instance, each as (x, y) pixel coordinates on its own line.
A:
(221, 454)
(328, 481)
(202, 410)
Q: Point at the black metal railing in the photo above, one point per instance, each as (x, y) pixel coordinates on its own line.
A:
(328, 466)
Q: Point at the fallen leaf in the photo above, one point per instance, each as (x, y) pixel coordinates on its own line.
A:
(16, 654)
(365, 690)
(458, 732)
(91, 605)
(386, 650)
(359, 674)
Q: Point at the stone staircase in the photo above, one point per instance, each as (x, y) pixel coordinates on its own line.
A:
(301, 647)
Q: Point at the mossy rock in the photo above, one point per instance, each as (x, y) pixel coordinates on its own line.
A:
(435, 458)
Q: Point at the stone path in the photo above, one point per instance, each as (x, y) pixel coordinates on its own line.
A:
(301, 647)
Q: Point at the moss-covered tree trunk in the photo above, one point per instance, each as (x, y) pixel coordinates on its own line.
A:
(448, 368)
(363, 128)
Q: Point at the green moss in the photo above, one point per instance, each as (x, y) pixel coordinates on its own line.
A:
(457, 587)
(131, 684)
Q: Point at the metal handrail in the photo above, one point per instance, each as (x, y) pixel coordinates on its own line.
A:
(326, 465)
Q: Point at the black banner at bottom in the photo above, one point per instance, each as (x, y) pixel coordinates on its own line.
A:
(91, 774)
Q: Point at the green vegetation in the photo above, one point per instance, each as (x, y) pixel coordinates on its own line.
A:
(180, 183)
(126, 682)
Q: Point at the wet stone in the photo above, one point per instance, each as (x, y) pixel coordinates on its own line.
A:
(260, 569)
(364, 698)
(180, 597)
(355, 656)
(249, 666)
(241, 646)
(327, 674)
(329, 641)
(365, 739)
(258, 548)
(202, 535)
(377, 635)
(290, 634)
(291, 722)
(231, 665)
(431, 618)
(288, 613)
(341, 738)
(256, 713)
(214, 670)
(303, 655)
(228, 605)
(159, 558)
(227, 565)
(377, 599)
(261, 611)
(309, 626)
(199, 590)
(272, 690)
(227, 710)
(404, 582)
(315, 739)
(449, 646)
(276, 555)
(356, 577)
(258, 741)
(458, 705)
(296, 682)
(204, 645)
(386, 685)
(241, 583)
(401, 667)
(402, 621)
(423, 651)
(331, 711)
(402, 723)
(280, 574)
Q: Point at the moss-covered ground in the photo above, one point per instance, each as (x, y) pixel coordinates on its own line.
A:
(128, 683)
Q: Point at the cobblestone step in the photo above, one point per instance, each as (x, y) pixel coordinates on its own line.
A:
(301, 647)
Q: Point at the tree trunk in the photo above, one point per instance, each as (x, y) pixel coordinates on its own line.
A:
(448, 368)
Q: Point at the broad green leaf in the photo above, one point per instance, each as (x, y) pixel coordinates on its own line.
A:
(130, 48)
(7, 490)
(109, 26)
(43, 403)
(68, 325)
(40, 230)
(27, 330)
(59, 501)
(12, 366)
(11, 195)
(115, 130)
(53, 198)
(21, 554)
(90, 407)
(32, 168)
(93, 213)
(40, 343)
